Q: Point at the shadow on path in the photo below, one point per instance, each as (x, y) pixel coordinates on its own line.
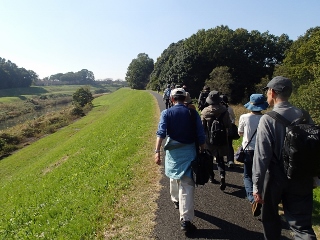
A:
(218, 214)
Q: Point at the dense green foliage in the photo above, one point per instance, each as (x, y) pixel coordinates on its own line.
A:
(249, 56)
(11, 76)
(220, 79)
(66, 185)
(82, 97)
(302, 66)
(81, 77)
(139, 71)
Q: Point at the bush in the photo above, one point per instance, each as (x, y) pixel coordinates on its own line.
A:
(82, 97)
(2, 143)
(9, 139)
(77, 111)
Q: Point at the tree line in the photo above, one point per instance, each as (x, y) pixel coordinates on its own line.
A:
(237, 63)
(11, 76)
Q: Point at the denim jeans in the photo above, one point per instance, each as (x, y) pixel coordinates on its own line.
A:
(247, 174)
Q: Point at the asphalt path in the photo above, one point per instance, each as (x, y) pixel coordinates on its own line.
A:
(218, 214)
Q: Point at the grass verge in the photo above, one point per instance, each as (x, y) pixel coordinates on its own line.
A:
(88, 180)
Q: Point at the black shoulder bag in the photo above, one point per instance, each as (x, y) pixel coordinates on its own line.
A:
(239, 155)
(202, 165)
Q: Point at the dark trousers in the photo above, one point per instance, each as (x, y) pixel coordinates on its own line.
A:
(167, 103)
(221, 165)
(230, 156)
(297, 200)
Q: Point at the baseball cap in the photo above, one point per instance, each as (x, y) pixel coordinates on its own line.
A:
(178, 92)
(280, 84)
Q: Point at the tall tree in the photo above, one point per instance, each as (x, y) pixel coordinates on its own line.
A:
(220, 80)
(302, 60)
(248, 55)
(139, 70)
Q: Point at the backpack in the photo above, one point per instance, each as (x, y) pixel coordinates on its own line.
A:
(300, 151)
(218, 134)
(167, 93)
(202, 167)
(202, 102)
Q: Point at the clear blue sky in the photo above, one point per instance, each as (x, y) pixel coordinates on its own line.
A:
(103, 36)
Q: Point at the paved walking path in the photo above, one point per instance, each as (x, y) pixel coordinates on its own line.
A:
(219, 214)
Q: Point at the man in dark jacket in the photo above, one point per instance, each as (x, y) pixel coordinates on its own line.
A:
(202, 103)
(208, 114)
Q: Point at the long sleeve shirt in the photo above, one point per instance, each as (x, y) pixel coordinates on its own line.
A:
(269, 142)
(176, 122)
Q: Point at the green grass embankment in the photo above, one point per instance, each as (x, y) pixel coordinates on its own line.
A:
(68, 185)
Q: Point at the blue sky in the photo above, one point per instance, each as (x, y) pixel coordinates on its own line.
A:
(104, 36)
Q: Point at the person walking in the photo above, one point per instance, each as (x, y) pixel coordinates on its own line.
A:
(270, 184)
(230, 156)
(177, 123)
(202, 98)
(216, 110)
(248, 124)
(166, 96)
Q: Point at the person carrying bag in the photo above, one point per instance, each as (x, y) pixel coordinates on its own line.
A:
(247, 124)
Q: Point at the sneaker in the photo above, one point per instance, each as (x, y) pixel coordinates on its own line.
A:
(230, 164)
(256, 209)
(222, 184)
(187, 226)
(176, 205)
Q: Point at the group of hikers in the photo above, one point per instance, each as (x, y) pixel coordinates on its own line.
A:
(265, 182)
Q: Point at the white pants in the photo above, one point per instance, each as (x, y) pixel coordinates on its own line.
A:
(182, 191)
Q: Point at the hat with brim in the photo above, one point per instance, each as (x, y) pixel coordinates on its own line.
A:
(257, 103)
(213, 98)
(178, 92)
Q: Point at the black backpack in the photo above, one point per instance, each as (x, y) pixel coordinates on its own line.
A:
(218, 133)
(300, 151)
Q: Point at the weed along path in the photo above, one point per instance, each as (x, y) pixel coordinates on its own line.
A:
(218, 214)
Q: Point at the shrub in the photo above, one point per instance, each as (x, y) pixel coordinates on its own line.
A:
(82, 97)
(77, 111)
(9, 139)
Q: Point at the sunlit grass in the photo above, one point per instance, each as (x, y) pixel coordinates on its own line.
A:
(67, 185)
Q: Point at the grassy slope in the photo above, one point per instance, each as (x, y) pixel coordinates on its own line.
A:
(82, 182)
(18, 94)
(67, 185)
